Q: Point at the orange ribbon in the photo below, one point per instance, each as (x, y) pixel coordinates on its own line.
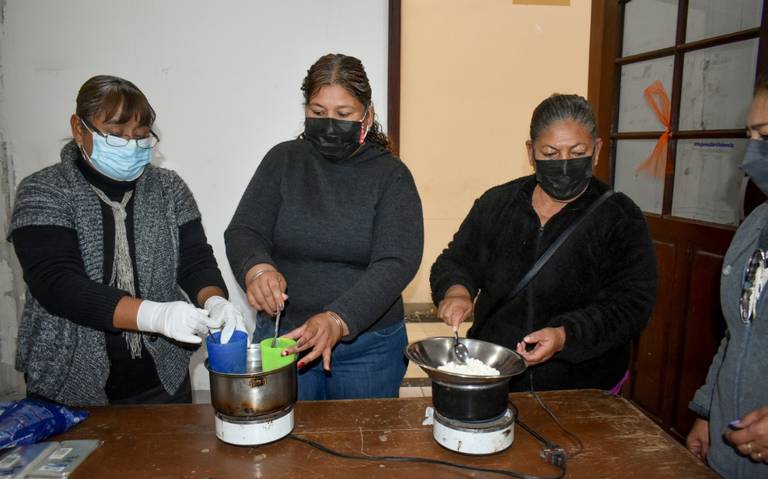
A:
(658, 101)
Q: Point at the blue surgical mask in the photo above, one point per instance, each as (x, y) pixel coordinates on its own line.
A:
(755, 163)
(120, 163)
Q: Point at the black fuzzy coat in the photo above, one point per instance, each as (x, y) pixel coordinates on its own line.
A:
(600, 285)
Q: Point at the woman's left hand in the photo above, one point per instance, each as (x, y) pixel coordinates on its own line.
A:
(547, 341)
(751, 438)
(229, 317)
(321, 332)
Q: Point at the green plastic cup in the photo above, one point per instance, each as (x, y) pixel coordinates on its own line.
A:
(271, 357)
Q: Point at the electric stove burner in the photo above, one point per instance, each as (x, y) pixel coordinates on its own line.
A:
(477, 437)
(256, 430)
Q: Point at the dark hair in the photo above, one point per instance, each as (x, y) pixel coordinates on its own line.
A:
(560, 107)
(761, 85)
(116, 99)
(347, 72)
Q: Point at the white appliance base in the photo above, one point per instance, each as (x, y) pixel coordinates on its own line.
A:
(480, 438)
(254, 432)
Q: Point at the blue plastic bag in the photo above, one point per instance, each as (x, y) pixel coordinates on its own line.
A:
(32, 420)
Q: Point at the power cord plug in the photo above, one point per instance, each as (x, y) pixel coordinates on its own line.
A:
(554, 454)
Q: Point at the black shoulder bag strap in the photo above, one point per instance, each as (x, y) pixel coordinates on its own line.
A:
(554, 246)
(548, 254)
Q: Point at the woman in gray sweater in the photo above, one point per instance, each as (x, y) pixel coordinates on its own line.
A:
(329, 232)
(107, 242)
(731, 433)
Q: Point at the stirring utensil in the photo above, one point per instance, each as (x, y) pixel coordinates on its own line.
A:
(459, 349)
(277, 328)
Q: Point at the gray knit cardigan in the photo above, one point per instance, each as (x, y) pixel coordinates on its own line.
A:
(67, 362)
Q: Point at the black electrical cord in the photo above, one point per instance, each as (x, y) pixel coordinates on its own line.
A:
(423, 460)
(557, 460)
(572, 436)
(552, 453)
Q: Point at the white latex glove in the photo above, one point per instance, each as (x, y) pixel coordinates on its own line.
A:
(176, 320)
(226, 314)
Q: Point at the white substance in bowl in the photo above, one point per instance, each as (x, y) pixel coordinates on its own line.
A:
(473, 367)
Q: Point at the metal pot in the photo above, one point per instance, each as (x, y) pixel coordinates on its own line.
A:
(253, 393)
(467, 397)
(470, 402)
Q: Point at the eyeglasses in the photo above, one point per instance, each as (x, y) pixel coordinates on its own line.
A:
(146, 143)
(755, 277)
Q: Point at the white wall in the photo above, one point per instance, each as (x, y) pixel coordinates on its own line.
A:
(224, 78)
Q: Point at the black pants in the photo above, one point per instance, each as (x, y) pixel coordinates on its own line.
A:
(156, 395)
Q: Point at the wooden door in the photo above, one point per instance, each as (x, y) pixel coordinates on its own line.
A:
(679, 72)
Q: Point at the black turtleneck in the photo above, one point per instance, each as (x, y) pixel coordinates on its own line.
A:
(55, 274)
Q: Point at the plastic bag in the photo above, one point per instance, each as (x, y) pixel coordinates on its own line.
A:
(32, 420)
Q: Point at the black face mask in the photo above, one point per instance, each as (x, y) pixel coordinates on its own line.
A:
(564, 179)
(335, 139)
(755, 163)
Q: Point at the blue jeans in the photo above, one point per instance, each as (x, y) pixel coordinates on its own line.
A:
(370, 366)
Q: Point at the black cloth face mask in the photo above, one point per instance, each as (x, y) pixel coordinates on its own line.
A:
(564, 179)
(335, 139)
(755, 163)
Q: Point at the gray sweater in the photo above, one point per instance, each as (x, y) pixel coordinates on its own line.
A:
(67, 362)
(736, 383)
(347, 236)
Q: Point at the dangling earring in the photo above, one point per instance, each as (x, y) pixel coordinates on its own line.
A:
(363, 134)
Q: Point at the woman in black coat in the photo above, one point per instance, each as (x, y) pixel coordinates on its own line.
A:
(573, 323)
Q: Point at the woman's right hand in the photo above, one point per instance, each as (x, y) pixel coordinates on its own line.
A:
(698, 439)
(266, 288)
(321, 333)
(455, 307)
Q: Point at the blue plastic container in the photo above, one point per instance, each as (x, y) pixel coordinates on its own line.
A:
(230, 357)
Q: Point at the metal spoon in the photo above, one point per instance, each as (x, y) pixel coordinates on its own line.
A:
(277, 328)
(459, 349)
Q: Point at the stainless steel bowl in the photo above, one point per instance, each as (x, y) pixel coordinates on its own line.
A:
(431, 353)
(467, 397)
(253, 393)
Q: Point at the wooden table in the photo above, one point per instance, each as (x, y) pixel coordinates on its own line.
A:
(178, 441)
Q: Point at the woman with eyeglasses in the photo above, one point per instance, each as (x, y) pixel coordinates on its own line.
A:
(328, 233)
(731, 433)
(107, 242)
